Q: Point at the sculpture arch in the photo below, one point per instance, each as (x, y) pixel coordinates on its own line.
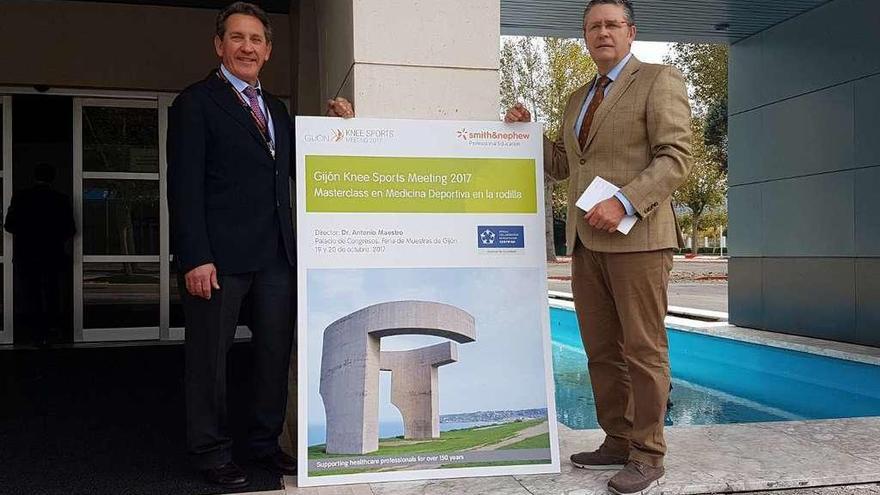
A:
(351, 359)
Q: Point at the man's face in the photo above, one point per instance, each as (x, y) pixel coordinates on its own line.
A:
(608, 35)
(244, 47)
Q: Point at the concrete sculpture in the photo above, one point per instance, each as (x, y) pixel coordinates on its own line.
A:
(414, 387)
(351, 359)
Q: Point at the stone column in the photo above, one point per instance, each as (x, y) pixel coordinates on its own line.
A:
(411, 58)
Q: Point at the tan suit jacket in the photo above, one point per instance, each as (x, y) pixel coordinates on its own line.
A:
(640, 140)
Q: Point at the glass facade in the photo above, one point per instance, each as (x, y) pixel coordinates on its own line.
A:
(120, 295)
(120, 140)
(120, 217)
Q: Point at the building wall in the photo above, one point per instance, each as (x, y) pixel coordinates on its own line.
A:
(805, 175)
(115, 46)
(410, 58)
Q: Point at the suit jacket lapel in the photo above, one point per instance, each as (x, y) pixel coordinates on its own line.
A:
(278, 112)
(572, 112)
(224, 96)
(624, 81)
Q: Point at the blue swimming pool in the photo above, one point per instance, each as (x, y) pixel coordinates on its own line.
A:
(717, 380)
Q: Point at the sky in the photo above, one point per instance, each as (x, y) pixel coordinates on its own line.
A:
(502, 370)
(646, 51)
(651, 51)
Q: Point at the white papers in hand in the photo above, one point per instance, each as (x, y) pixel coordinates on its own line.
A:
(600, 190)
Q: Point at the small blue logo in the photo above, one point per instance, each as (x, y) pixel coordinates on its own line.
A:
(500, 236)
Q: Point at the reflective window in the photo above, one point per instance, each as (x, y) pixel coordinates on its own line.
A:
(120, 217)
(120, 139)
(1, 187)
(120, 295)
(2, 210)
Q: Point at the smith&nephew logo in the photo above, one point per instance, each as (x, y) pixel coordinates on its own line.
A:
(500, 236)
(355, 135)
(490, 137)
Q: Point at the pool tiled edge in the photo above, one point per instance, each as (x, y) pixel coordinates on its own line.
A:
(723, 329)
(839, 350)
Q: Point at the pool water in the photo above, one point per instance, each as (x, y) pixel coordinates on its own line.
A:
(718, 380)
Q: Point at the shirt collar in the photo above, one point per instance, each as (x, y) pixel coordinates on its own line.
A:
(237, 83)
(614, 72)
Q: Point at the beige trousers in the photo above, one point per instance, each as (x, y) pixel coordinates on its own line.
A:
(621, 302)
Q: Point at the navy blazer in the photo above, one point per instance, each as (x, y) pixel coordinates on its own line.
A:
(228, 198)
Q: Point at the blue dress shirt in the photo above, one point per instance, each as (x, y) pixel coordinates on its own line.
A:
(612, 74)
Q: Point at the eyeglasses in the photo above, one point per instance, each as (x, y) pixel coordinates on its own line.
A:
(595, 27)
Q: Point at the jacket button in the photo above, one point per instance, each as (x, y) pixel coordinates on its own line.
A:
(583, 161)
(278, 203)
(276, 173)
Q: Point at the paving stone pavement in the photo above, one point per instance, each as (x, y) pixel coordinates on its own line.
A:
(794, 456)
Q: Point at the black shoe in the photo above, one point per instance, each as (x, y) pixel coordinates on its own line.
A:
(279, 463)
(228, 475)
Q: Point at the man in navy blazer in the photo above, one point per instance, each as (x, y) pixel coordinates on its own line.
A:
(229, 160)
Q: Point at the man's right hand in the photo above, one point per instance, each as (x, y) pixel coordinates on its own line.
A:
(518, 113)
(201, 279)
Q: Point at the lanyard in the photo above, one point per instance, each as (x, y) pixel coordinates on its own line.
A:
(264, 131)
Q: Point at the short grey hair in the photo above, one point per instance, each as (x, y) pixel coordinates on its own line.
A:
(626, 4)
(246, 9)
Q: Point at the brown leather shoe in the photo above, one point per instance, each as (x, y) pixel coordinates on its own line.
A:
(228, 475)
(598, 460)
(635, 477)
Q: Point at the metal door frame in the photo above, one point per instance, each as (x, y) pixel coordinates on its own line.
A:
(7, 332)
(81, 334)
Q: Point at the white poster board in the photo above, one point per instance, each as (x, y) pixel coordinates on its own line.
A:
(423, 328)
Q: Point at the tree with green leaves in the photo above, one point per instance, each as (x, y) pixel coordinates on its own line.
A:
(705, 68)
(541, 73)
(706, 186)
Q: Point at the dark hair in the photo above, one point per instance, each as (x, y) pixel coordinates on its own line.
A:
(626, 4)
(44, 172)
(246, 9)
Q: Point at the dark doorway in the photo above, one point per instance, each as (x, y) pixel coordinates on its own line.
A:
(42, 138)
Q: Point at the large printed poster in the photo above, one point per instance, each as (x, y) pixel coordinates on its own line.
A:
(423, 332)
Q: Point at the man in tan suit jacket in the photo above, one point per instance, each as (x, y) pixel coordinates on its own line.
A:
(630, 126)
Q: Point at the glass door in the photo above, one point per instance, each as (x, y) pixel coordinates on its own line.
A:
(121, 248)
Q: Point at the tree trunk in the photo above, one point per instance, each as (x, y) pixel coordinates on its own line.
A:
(550, 241)
(695, 230)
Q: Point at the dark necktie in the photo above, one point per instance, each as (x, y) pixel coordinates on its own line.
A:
(598, 96)
(254, 103)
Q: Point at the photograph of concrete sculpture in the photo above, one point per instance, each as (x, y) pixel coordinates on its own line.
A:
(425, 369)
